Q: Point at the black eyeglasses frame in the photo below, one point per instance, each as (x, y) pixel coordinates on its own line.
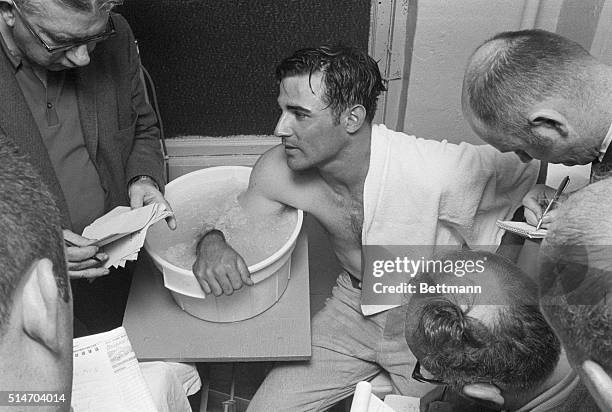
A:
(417, 376)
(109, 32)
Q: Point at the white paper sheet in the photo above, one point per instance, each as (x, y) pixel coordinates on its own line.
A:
(122, 231)
(106, 375)
(365, 401)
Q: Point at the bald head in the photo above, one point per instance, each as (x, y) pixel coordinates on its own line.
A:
(512, 70)
(538, 93)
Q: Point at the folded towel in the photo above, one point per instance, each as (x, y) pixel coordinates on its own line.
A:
(427, 192)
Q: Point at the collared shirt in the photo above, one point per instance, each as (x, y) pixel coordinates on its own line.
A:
(563, 396)
(51, 97)
(554, 397)
(605, 144)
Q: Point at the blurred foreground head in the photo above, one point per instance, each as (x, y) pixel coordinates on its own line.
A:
(576, 285)
(35, 299)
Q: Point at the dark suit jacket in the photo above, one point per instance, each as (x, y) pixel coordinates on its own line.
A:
(118, 125)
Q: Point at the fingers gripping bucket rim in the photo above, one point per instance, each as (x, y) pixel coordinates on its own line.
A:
(270, 276)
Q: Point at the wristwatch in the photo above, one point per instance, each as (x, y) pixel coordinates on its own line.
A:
(143, 178)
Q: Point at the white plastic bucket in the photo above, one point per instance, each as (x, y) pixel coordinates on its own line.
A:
(270, 276)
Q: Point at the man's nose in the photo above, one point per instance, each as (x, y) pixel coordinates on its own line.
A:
(282, 128)
(78, 55)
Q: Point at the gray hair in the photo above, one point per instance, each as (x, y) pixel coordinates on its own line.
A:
(98, 6)
(523, 67)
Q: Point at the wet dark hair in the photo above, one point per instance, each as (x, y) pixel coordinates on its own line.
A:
(350, 76)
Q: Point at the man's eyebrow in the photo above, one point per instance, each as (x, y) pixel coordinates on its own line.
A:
(58, 38)
(64, 38)
(299, 108)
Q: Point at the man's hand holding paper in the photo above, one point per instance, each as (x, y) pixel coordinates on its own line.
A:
(122, 231)
(85, 260)
(144, 191)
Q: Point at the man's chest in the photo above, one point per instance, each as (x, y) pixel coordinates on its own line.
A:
(342, 219)
(340, 214)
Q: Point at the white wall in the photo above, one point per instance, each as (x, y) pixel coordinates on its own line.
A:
(445, 34)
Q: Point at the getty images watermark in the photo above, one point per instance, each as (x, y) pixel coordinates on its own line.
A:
(391, 273)
(410, 267)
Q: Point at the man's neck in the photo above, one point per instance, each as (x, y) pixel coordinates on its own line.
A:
(346, 173)
(561, 371)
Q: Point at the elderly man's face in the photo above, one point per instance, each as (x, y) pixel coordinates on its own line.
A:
(56, 25)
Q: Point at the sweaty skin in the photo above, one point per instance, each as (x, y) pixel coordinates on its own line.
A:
(320, 168)
(341, 214)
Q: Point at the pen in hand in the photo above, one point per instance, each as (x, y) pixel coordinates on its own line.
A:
(69, 243)
(555, 198)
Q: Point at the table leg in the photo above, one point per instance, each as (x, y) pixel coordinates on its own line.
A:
(204, 371)
(230, 405)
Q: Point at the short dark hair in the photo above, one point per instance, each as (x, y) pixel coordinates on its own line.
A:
(514, 348)
(31, 227)
(350, 76)
(525, 67)
(99, 6)
(576, 274)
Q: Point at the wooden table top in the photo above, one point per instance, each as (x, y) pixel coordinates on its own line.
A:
(159, 330)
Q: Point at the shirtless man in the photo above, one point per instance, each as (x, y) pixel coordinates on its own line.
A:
(328, 99)
(312, 170)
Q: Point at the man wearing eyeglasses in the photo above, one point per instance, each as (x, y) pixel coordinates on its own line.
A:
(72, 100)
(492, 350)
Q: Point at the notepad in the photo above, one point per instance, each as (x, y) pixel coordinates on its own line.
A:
(522, 229)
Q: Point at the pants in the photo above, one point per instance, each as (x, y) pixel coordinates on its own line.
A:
(347, 347)
(99, 306)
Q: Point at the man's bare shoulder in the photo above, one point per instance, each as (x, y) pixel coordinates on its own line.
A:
(270, 169)
(272, 177)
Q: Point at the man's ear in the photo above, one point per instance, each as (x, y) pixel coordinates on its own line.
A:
(40, 305)
(488, 393)
(599, 384)
(355, 117)
(549, 123)
(7, 13)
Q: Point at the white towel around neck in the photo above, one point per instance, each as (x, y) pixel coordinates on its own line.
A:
(427, 192)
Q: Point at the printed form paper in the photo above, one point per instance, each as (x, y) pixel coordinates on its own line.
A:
(106, 375)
